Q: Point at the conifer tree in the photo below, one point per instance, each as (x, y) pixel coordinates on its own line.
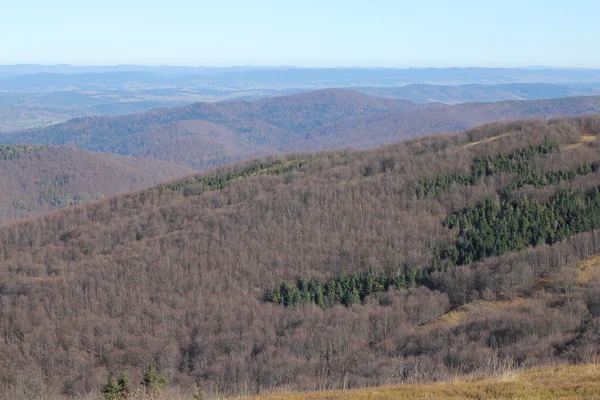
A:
(153, 381)
(124, 385)
(112, 390)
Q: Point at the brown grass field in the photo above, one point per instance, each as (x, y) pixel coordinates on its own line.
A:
(571, 382)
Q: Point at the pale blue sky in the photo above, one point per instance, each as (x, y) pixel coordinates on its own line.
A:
(384, 33)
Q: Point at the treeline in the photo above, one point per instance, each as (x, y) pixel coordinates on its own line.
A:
(489, 229)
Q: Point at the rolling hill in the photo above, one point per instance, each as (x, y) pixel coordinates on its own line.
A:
(204, 135)
(36, 96)
(209, 134)
(423, 260)
(37, 179)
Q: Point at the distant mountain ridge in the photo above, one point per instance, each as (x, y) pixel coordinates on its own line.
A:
(421, 93)
(326, 76)
(33, 96)
(204, 135)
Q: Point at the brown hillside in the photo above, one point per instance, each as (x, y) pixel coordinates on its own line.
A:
(435, 118)
(56, 177)
(189, 274)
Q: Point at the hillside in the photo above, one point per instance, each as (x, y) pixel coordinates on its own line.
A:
(37, 179)
(204, 135)
(208, 134)
(439, 118)
(427, 259)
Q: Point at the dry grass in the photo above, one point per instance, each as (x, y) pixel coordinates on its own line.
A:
(588, 138)
(490, 139)
(571, 382)
(588, 270)
(583, 139)
(480, 306)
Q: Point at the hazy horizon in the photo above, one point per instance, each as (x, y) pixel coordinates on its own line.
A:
(282, 66)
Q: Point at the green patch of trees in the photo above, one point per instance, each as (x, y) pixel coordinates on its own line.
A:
(152, 383)
(489, 229)
(12, 152)
(220, 181)
(115, 389)
(344, 289)
(539, 179)
(52, 192)
(517, 161)
(493, 228)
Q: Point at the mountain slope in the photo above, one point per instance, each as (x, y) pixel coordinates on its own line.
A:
(425, 259)
(209, 134)
(432, 119)
(35, 180)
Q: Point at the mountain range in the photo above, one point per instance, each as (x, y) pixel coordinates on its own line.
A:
(205, 135)
(36, 95)
(285, 76)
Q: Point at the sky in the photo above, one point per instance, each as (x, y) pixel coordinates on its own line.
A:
(305, 33)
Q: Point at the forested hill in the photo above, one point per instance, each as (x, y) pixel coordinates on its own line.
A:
(421, 260)
(204, 135)
(208, 134)
(37, 179)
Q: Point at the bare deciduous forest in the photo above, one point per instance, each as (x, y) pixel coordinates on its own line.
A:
(186, 274)
(38, 179)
